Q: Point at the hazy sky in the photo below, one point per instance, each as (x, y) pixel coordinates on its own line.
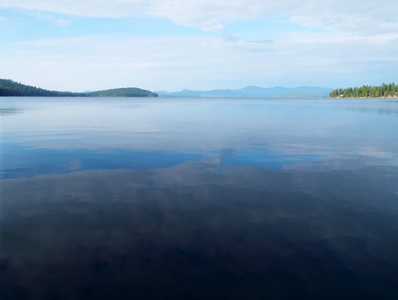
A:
(169, 45)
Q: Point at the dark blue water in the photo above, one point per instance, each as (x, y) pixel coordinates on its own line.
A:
(198, 199)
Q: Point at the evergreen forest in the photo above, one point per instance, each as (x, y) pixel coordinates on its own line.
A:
(9, 88)
(384, 90)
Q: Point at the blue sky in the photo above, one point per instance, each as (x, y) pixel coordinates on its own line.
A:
(169, 45)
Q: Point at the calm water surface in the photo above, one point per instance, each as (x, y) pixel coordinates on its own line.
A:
(198, 199)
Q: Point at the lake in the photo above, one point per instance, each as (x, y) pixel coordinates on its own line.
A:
(116, 198)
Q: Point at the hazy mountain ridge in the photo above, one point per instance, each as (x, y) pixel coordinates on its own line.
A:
(252, 91)
(14, 89)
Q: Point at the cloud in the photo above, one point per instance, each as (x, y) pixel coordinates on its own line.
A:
(4, 20)
(51, 18)
(60, 22)
(88, 8)
(361, 17)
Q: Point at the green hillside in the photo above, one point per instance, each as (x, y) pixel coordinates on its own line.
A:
(12, 88)
(122, 92)
(9, 88)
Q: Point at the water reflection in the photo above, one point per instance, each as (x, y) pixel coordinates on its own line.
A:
(192, 232)
(9, 111)
(47, 161)
(383, 111)
(209, 200)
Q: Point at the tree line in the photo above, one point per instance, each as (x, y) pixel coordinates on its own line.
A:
(11, 89)
(384, 90)
(122, 92)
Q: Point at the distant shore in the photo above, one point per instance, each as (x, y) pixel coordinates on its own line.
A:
(9, 88)
(387, 97)
(382, 91)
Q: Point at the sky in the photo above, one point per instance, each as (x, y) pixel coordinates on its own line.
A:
(78, 45)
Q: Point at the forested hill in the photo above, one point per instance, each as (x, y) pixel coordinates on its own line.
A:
(382, 91)
(12, 88)
(122, 92)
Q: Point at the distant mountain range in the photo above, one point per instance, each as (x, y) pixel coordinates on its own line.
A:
(253, 91)
(12, 88)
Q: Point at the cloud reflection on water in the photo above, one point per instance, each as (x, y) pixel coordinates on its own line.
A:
(241, 232)
(182, 200)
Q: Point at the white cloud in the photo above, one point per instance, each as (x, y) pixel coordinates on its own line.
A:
(3, 20)
(51, 18)
(348, 16)
(90, 8)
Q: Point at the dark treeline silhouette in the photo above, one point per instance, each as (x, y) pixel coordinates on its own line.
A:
(384, 90)
(11, 88)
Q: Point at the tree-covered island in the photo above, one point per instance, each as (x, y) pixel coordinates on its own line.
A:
(382, 91)
(9, 88)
